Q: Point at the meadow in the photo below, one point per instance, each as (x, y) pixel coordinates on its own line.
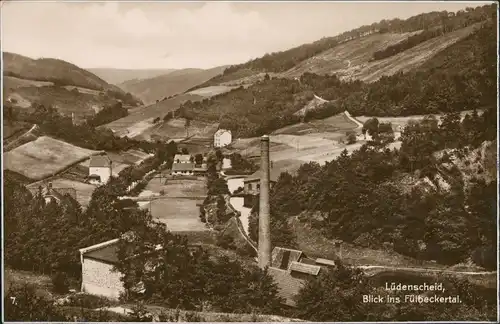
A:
(177, 187)
(179, 214)
(141, 119)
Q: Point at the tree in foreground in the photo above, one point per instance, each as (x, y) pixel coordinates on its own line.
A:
(335, 295)
(22, 303)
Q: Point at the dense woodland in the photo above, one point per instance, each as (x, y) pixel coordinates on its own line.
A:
(461, 77)
(282, 61)
(335, 296)
(108, 114)
(361, 198)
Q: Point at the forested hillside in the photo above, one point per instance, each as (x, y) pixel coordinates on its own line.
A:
(434, 199)
(462, 77)
(152, 89)
(282, 61)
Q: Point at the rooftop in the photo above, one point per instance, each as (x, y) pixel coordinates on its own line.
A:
(304, 268)
(325, 262)
(183, 167)
(106, 254)
(220, 131)
(99, 161)
(282, 258)
(273, 175)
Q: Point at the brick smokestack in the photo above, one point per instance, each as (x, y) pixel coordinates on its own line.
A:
(264, 208)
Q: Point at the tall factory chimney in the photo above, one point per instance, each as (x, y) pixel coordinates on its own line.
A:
(264, 208)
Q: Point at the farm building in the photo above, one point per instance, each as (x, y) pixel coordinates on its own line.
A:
(53, 194)
(222, 138)
(183, 169)
(252, 182)
(183, 158)
(100, 169)
(98, 276)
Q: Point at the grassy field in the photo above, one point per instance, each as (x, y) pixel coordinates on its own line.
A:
(82, 104)
(44, 157)
(178, 205)
(402, 121)
(175, 129)
(352, 59)
(212, 90)
(178, 214)
(11, 83)
(83, 190)
(177, 187)
(141, 119)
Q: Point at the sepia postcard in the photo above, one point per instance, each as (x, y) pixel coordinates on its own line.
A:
(241, 161)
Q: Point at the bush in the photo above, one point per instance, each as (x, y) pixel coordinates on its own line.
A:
(193, 317)
(60, 282)
(89, 301)
(246, 250)
(226, 242)
(166, 317)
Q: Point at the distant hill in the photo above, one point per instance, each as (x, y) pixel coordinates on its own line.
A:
(53, 82)
(428, 63)
(326, 56)
(156, 88)
(421, 80)
(52, 70)
(117, 76)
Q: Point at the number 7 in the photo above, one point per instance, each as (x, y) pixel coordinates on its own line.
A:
(13, 300)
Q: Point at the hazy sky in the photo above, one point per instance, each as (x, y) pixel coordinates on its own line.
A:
(181, 34)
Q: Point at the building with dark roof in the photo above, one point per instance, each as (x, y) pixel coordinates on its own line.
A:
(251, 184)
(53, 194)
(183, 168)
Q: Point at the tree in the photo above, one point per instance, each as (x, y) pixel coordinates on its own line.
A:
(198, 158)
(22, 303)
(218, 187)
(351, 137)
(371, 127)
(335, 295)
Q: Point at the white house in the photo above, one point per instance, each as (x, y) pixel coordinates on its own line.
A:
(98, 276)
(222, 137)
(99, 169)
